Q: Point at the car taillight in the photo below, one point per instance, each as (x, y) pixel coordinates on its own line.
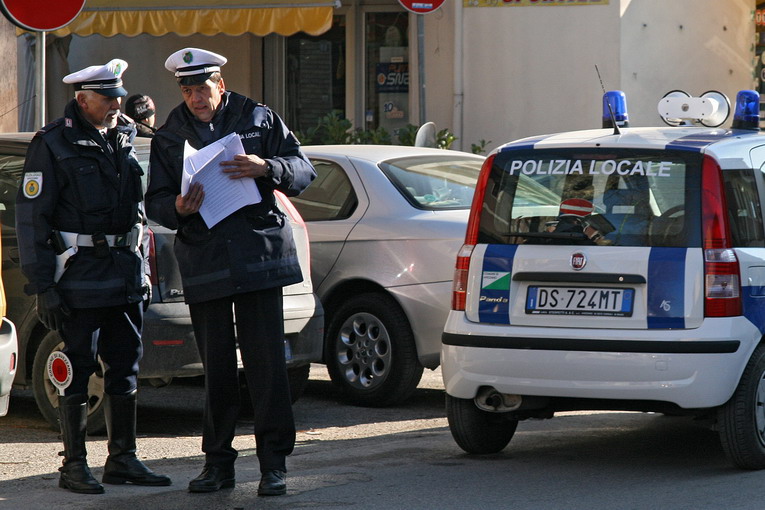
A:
(722, 285)
(13, 363)
(152, 258)
(459, 283)
(294, 215)
(474, 220)
(289, 208)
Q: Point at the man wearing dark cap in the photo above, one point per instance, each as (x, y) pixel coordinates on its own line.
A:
(79, 228)
(140, 108)
(237, 266)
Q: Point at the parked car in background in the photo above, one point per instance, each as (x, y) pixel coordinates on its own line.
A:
(385, 224)
(168, 339)
(8, 354)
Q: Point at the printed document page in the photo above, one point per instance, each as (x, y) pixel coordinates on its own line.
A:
(223, 195)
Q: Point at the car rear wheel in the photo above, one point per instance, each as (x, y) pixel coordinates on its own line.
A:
(741, 421)
(370, 351)
(46, 395)
(477, 431)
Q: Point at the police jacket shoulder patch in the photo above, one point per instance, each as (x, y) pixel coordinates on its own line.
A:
(33, 182)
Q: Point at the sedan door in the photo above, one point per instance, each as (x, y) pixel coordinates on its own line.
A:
(331, 206)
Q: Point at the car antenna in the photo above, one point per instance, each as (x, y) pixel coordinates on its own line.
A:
(610, 109)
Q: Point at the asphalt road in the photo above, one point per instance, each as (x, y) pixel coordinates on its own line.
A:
(399, 458)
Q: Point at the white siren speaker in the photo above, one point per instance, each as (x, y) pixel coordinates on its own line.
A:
(678, 108)
(721, 112)
(669, 99)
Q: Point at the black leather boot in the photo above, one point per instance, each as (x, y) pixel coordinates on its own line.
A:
(122, 465)
(75, 473)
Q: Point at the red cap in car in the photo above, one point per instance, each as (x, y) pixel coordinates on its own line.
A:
(576, 207)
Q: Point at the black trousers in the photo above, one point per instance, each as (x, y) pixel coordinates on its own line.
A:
(260, 335)
(114, 334)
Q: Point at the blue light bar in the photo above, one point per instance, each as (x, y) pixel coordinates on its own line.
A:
(618, 102)
(747, 114)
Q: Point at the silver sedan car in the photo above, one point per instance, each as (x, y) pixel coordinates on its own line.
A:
(385, 224)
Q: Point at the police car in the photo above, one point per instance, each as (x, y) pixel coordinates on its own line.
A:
(620, 268)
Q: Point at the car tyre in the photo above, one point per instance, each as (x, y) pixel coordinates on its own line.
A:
(370, 351)
(46, 395)
(477, 431)
(741, 421)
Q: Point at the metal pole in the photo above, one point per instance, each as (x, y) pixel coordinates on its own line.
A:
(40, 80)
(421, 63)
(458, 79)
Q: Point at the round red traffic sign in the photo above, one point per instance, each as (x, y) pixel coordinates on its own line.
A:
(419, 7)
(41, 15)
(59, 371)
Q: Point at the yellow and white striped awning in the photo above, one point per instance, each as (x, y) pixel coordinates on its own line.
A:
(207, 17)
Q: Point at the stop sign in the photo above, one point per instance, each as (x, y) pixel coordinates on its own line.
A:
(421, 7)
(41, 15)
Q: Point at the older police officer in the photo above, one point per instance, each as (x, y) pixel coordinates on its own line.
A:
(238, 266)
(78, 218)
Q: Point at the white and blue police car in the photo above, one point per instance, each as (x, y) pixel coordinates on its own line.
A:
(620, 268)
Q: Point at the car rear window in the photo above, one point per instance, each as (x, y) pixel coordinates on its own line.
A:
(435, 182)
(602, 197)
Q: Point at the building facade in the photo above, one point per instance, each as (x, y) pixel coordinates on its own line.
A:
(491, 70)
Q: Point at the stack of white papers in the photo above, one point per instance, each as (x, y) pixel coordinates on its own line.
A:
(223, 195)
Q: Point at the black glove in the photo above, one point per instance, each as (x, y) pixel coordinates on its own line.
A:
(146, 291)
(51, 309)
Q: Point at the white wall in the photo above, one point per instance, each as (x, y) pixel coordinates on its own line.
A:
(531, 70)
(691, 45)
(439, 65)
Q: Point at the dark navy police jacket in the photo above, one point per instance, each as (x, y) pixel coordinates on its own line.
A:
(86, 188)
(253, 248)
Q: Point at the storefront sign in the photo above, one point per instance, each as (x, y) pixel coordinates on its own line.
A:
(519, 3)
(392, 77)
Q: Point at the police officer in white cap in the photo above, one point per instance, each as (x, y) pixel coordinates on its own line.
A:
(78, 222)
(239, 265)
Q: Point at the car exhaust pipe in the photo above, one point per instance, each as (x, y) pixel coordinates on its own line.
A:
(489, 399)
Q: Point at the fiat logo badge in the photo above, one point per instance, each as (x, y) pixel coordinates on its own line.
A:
(578, 261)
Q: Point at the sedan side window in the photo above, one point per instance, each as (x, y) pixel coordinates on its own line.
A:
(329, 197)
(11, 167)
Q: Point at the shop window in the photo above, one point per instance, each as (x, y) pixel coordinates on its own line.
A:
(387, 71)
(315, 84)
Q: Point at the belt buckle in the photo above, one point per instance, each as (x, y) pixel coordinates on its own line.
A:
(100, 245)
(121, 240)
